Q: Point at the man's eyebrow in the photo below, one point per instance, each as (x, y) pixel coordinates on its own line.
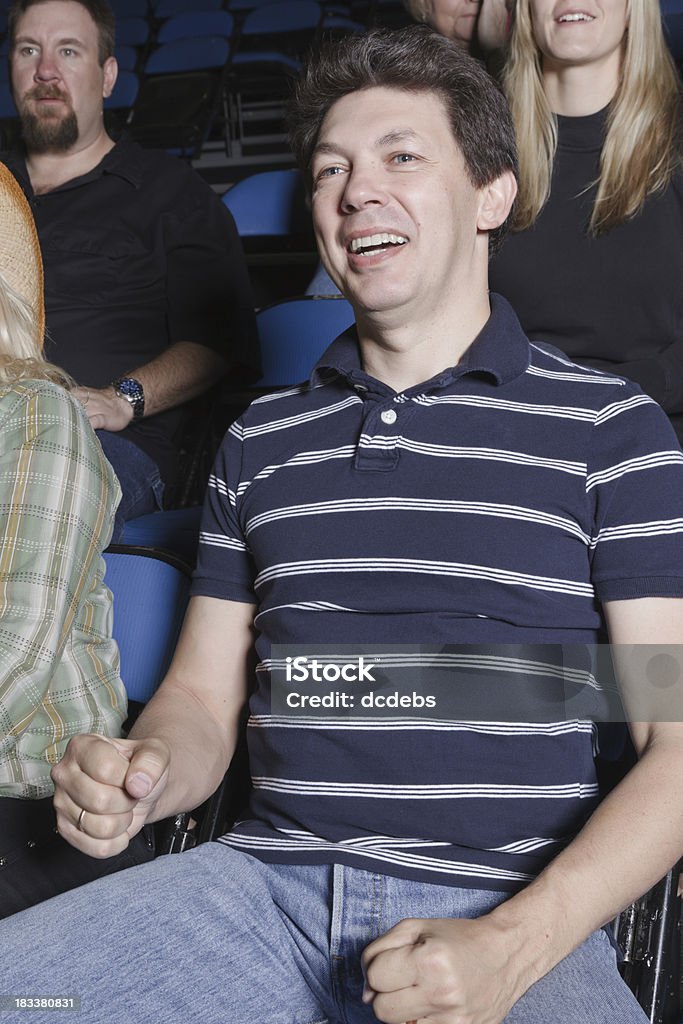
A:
(397, 135)
(69, 41)
(325, 147)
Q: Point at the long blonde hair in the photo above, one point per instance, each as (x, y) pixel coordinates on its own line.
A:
(642, 146)
(21, 354)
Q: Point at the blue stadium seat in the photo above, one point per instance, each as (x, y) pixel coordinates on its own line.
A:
(192, 54)
(295, 333)
(124, 93)
(167, 8)
(196, 23)
(151, 592)
(7, 107)
(126, 57)
(248, 5)
(132, 32)
(281, 18)
(129, 8)
(174, 531)
(269, 203)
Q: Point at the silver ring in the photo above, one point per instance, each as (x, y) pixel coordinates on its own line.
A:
(79, 823)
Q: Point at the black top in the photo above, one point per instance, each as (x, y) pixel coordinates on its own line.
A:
(139, 253)
(613, 302)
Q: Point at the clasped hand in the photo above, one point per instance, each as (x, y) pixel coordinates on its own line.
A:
(441, 971)
(116, 783)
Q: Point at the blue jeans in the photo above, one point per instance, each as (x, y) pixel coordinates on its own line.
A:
(213, 935)
(141, 485)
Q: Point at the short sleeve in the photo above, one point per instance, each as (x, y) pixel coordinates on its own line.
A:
(634, 488)
(224, 563)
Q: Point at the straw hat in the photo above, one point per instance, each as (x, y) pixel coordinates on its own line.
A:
(20, 261)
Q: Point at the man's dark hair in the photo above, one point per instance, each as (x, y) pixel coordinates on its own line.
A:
(415, 59)
(99, 10)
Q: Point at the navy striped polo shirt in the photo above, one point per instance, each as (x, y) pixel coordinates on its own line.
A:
(492, 507)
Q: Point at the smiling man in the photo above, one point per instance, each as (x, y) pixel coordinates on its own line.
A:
(440, 483)
(146, 287)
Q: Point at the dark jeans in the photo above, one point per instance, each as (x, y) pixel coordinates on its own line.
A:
(141, 485)
(36, 863)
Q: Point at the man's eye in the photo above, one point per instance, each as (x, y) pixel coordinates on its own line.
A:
(27, 51)
(404, 158)
(329, 172)
(68, 52)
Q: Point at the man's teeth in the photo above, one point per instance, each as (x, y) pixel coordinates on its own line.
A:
(375, 241)
(576, 17)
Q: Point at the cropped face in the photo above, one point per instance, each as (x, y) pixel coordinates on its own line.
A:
(57, 80)
(396, 216)
(580, 32)
(455, 19)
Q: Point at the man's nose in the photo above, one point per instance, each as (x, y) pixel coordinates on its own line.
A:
(364, 186)
(46, 68)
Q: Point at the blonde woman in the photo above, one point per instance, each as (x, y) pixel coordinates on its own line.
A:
(59, 666)
(596, 262)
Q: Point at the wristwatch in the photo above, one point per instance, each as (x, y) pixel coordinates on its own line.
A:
(133, 392)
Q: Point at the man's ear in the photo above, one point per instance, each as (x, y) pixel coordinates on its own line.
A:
(111, 72)
(496, 201)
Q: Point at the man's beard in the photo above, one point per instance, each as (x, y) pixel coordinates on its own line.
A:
(47, 134)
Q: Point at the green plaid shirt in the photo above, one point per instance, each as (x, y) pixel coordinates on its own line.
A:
(59, 666)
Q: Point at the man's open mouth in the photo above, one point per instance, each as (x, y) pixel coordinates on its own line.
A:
(369, 244)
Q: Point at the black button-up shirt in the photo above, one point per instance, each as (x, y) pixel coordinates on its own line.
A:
(139, 253)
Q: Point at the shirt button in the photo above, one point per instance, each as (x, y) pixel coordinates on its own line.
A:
(388, 416)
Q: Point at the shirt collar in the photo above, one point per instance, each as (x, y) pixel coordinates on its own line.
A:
(500, 350)
(124, 160)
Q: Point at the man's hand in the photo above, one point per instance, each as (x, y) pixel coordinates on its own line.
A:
(445, 971)
(115, 783)
(105, 410)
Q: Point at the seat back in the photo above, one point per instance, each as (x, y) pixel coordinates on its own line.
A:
(124, 92)
(150, 591)
(167, 8)
(132, 31)
(126, 58)
(190, 54)
(129, 8)
(295, 333)
(196, 23)
(176, 111)
(282, 17)
(269, 203)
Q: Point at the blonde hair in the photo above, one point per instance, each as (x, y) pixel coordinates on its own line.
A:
(641, 149)
(21, 354)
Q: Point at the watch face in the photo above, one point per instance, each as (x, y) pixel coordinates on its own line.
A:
(132, 390)
(129, 386)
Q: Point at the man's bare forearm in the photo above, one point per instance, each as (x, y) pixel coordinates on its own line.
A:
(630, 842)
(200, 749)
(182, 372)
(197, 710)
